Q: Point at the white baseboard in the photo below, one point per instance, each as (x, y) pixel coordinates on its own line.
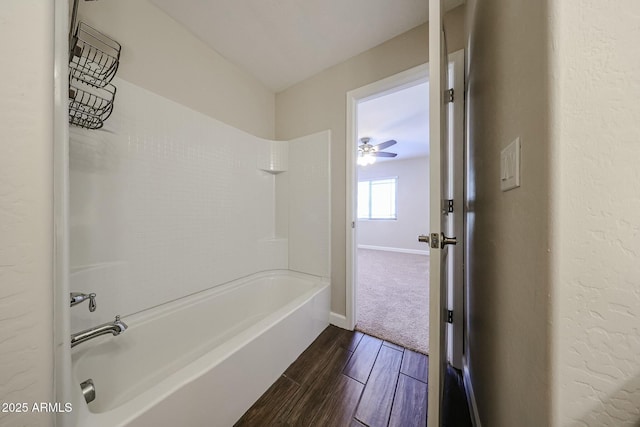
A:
(338, 320)
(471, 397)
(389, 249)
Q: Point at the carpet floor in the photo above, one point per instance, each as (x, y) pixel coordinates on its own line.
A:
(393, 297)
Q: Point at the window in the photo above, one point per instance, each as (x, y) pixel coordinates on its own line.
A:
(377, 199)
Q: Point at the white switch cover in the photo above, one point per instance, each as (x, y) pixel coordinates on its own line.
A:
(510, 166)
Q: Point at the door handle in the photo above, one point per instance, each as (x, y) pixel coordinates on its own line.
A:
(444, 240)
(434, 240)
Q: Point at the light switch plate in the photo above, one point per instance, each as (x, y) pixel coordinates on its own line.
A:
(510, 166)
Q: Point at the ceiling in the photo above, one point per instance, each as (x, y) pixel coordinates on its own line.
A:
(402, 115)
(282, 42)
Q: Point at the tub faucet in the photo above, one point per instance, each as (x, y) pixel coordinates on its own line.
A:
(78, 297)
(116, 328)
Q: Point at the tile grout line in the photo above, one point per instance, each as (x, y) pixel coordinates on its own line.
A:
(374, 364)
(395, 391)
(357, 345)
(396, 387)
(417, 379)
(355, 409)
(291, 379)
(365, 385)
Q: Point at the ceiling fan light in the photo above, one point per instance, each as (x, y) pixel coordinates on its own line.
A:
(365, 159)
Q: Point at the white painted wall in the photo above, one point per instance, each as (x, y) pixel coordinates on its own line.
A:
(595, 322)
(162, 56)
(26, 208)
(412, 205)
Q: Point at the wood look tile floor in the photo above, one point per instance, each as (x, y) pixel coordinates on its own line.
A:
(344, 379)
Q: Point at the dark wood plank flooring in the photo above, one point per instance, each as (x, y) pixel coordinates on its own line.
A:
(348, 379)
(376, 401)
(360, 364)
(344, 379)
(409, 406)
(415, 365)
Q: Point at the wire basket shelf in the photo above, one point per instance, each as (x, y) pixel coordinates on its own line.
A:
(94, 57)
(93, 62)
(89, 106)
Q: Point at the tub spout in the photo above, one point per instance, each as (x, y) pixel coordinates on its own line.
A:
(115, 328)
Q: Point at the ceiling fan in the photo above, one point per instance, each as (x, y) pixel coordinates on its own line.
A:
(367, 153)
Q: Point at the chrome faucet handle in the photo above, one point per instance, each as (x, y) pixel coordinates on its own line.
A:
(78, 297)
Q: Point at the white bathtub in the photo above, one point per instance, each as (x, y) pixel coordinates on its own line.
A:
(202, 360)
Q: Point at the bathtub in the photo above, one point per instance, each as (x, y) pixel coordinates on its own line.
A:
(202, 360)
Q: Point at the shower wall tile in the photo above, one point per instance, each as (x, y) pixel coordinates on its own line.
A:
(309, 214)
(166, 202)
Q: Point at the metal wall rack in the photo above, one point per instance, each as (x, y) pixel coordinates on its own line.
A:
(93, 62)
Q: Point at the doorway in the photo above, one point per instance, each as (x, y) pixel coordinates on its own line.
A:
(392, 209)
(386, 266)
(455, 295)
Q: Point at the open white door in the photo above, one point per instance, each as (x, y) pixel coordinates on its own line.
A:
(454, 207)
(440, 188)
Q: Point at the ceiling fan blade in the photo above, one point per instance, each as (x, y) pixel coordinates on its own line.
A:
(383, 154)
(385, 144)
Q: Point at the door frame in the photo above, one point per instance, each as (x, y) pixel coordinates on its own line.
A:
(399, 81)
(402, 80)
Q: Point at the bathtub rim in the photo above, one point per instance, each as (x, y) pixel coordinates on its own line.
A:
(141, 317)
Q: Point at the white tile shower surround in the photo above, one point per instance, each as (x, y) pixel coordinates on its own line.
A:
(166, 202)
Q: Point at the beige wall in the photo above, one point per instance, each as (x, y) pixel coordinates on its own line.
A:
(508, 264)
(412, 204)
(162, 56)
(595, 87)
(26, 129)
(554, 266)
(319, 103)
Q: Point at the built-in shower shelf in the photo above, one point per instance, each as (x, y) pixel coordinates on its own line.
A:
(273, 157)
(273, 171)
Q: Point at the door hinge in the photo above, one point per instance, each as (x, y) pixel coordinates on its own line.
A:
(353, 224)
(449, 96)
(447, 206)
(449, 316)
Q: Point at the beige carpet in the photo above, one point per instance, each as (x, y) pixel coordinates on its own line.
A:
(393, 297)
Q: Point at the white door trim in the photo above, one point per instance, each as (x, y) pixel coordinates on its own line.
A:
(404, 79)
(437, 121)
(63, 386)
